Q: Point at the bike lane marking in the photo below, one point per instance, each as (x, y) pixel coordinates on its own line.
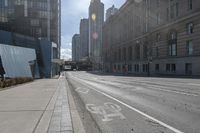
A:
(132, 108)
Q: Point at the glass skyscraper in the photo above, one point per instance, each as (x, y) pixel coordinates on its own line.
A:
(35, 18)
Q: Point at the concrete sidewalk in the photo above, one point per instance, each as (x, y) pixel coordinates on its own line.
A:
(38, 107)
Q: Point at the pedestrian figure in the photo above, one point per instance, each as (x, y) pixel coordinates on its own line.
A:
(2, 71)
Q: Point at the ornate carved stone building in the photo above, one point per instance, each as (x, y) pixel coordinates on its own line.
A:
(153, 37)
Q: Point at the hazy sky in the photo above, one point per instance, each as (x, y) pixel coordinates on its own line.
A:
(72, 12)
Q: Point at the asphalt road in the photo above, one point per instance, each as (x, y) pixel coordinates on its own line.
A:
(121, 104)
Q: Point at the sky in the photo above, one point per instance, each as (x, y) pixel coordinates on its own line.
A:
(72, 12)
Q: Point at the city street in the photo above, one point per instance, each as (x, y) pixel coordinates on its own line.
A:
(124, 104)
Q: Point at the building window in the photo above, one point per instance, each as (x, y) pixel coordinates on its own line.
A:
(172, 11)
(145, 68)
(130, 68)
(136, 67)
(6, 3)
(189, 47)
(115, 56)
(173, 66)
(158, 18)
(124, 53)
(190, 28)
(130, 53)
(137, 52)
(167, 67)
(157, 67)
(119, 67)
(190, 5)
(173, 44)
(157, 52)
(174, 49)
(145, 50)
(158, 37)
(177, 9)
(158, 3)
(167, 14)
(115, 67)
(35, 22)
(188, 68)
(119, 58)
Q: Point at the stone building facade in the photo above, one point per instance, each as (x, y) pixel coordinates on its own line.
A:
(157, 37)
(111, 11)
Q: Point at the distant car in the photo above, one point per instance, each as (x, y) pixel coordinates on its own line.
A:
(67, 67)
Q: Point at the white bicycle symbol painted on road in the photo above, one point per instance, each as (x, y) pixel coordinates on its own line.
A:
(108, 111)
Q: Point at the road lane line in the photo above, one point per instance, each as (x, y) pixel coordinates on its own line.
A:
(134, 109)
(172, 91)
(140, 112)
(154, 87)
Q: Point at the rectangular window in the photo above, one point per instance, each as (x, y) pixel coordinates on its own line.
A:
(189, 47)
(190, 5)
(158, 18)
(167, 14)
(173, 67)
(177, 9)
(158, 37)
(130, 53)
(167, 67)
(115, 67)
(170, 50)
(136, 68)
(158, 3)
(124, 53)
(130, 68)
(172, 10)
(157, 67)
(119, 67)
(188, 68)
(174, 49)
(145, 50)
(6, 3)
(145, 67)
(119, 58)
(157, 52)
(25, 8)
(115, 56)
(137, 52)
(190, 28)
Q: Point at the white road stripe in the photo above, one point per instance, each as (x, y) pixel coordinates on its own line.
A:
(142, 113)
(173, 91)
(138, 111)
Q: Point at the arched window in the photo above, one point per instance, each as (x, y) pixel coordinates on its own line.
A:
(173, 44)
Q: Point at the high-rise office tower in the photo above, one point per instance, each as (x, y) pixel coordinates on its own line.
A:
(84, 38)
(35, 18)
(76, 47)
(96, 20)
